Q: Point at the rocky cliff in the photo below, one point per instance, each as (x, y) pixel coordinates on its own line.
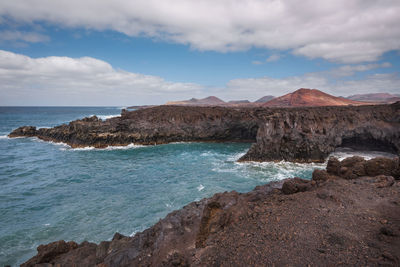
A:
(293, 134)
(347, 215)
(311, 134)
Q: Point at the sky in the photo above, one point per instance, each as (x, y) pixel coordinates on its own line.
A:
(120, 53)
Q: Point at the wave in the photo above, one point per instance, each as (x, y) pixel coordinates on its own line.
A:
(130, 146)
(106, 117)
(343, 153)
(4, 137)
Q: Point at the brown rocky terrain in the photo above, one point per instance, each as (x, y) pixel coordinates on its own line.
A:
(302, 134)
(347, 215)
(310, 97)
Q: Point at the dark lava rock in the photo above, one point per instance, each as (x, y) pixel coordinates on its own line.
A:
(46, 253)
(320, 175)
(296, 185)
(354, 167)
(27, 131)
(304, 134)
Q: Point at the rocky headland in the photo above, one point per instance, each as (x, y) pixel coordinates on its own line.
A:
(348, 215)
(301, 134)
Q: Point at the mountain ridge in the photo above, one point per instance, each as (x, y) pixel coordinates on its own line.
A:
(310, 97)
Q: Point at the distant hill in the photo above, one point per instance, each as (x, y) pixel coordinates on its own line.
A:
(239, 102)
(310, 97)
(265, 99)
(208, 101)
(376, 97)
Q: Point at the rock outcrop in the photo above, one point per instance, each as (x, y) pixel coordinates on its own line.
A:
(292, 134)
(311, 134)
(336, 218)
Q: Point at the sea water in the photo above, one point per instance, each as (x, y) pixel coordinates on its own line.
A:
(50, 191)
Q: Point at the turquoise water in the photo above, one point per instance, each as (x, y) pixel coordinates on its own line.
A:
(50, 191)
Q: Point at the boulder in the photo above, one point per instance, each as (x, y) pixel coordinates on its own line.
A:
(296, 185)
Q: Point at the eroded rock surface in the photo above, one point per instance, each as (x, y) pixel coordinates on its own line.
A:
(335, 219)
(293, 134)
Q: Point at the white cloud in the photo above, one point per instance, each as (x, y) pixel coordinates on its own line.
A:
(90, 81)
(350, 70)
(257, 62)
(17, 36)
(348, 31)
(80, 81)
(273, 57)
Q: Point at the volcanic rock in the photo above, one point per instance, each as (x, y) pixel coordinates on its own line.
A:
(292, 134)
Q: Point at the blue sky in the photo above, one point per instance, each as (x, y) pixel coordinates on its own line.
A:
(148, 53)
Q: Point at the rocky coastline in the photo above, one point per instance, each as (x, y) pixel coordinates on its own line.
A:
(301, 134)
(348, 214)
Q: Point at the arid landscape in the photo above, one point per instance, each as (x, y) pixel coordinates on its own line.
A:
(199, 133)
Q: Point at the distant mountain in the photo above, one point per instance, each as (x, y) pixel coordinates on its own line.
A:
(208, 101)
(376, 97)
(310, 97)
(265, 99)
(239, 102)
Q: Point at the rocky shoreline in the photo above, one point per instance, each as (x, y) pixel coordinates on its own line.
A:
(348, 214)
(302, 134)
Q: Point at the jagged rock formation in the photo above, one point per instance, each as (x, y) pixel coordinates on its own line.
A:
(347, 215)
(311, 134)
(310, 97)
(158, 125)
(292, 134)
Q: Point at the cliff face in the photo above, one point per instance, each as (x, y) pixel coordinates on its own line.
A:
(158, 125)
(311, 134)
(348, 214)
(292, 134)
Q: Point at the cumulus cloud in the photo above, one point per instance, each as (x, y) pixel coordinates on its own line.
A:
(80, 81)
(18, 36)
(350, 70)
(90, 81)
(347, 31)
(273, 57)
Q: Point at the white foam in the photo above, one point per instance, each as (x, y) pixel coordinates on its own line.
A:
(130, 146)
(343, 153)
(237, 156)
(265, 170)
(200, 187)
(46, 224)
(106, 117)
(209, 154)
(4, 137)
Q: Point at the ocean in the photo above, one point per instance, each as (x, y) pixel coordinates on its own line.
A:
(50, 192)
